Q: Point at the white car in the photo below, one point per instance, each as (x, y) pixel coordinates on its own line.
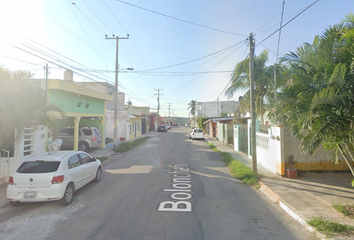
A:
(197, 133)
(52, 176)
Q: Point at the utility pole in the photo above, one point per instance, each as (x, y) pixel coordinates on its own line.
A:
(46, 83)
(115, 96)
(158, 103)
(169, 109)
(217, 105)
(253, 107)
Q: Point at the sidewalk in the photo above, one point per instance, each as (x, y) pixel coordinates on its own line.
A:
(310, 195)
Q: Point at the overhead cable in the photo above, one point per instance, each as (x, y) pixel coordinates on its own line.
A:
(181, 20)
(289, 21)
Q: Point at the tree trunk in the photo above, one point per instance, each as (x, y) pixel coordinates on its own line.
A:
(261, 110)
(346, 159)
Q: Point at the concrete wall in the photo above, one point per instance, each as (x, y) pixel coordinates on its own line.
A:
(34, 141)
(275, 147)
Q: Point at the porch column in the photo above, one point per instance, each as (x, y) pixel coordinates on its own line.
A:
(103, 132)
(76, 132)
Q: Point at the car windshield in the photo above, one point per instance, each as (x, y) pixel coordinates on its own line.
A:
(198, 130)
(38, 167)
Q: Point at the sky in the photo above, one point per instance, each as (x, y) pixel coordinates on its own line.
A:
(187, 49)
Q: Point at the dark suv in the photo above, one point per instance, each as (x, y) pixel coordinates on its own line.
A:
(89, 137)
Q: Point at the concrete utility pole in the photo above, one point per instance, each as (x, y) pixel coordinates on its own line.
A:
(46, 83)
(158, 103)
(115, 96)
(253, 107)
(169, 109)
(217, 105)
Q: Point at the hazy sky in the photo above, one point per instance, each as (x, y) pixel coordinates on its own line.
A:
(187, 48)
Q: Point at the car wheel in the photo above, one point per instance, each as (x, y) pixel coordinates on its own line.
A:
(83, 147)
(98, 175)
(15, 204)
(68, 195)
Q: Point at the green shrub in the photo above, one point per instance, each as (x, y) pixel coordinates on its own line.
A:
(213, 147)
(240, 171)
(126, 146)
(328, 227)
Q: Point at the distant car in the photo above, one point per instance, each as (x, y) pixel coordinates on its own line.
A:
(162, 128)
(197, 133)
(89, 137)
(187, 125)
(168, 127)
(52, 176)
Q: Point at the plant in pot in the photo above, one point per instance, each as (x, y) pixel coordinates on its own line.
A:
(291, 171)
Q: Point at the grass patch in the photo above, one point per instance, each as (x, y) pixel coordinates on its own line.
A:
(328, 227)
(347, 210)
(103, 158)
(240, 171)
(126, 146)
(213, 147)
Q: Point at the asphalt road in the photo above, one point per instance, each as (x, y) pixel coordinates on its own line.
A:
(168, 188)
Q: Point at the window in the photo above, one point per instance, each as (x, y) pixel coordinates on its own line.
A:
(96, 132)
(87, 132)
(74, 161)
(38, 167)
(66, 131)
(85, 158)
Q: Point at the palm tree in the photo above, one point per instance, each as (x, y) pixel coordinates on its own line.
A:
(318, 102)
(193, 108)
(22, 105)
(264, 82)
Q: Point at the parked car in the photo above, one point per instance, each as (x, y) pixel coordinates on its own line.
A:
(187, 124)
(89, 137)
(162, 128)
(197, 133)
(52, 176)
(168, 127)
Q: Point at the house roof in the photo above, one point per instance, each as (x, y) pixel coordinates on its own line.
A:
(77, 89)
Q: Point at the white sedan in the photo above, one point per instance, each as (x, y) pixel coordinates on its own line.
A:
(197, 133)
(52, 176)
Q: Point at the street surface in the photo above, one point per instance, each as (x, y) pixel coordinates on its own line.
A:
(168, 188)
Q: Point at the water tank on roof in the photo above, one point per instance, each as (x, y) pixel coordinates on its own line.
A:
(68, 75)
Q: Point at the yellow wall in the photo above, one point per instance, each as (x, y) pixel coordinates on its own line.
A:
(322, 166)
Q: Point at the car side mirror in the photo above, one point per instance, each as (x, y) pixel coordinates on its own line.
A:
(93, 159)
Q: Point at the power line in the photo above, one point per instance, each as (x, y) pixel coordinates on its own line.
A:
(213, 66)
(289, 21)
(281, 23)
(181, 20)
(59, 24)
(97, 17)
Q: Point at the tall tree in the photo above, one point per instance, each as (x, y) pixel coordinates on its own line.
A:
(21, 105)
(264, 83)
(318, 102)
(193, 108)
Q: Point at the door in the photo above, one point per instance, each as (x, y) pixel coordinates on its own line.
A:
(88, 167)
(76, 171)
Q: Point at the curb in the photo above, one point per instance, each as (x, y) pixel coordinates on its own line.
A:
(3, 205)
(286, 207)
